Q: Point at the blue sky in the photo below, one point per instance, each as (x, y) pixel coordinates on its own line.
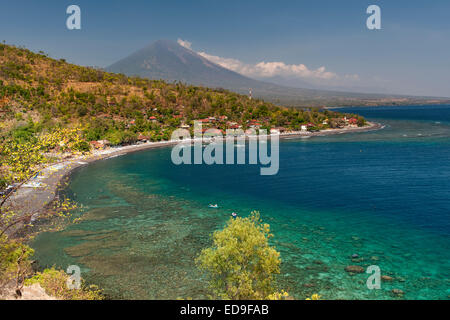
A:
(410, 55)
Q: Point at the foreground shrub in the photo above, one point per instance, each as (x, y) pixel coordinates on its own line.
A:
(315, 296)
(14, 262)
(241, 264)
(54, 282)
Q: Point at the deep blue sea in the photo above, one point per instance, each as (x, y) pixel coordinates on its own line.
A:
(382, 195)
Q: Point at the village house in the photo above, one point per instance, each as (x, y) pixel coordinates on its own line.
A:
(280, 129)
(274, 131)
(212, 131)
(131, 123)
(143, 138)
(353, 122)
(254, 124)
(100, 144)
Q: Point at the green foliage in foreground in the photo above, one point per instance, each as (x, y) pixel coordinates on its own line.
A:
(14, 261)
(15, 267)
(241, 264)
(54, 282)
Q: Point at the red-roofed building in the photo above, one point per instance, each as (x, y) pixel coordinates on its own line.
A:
(212, 131)
(353, 121)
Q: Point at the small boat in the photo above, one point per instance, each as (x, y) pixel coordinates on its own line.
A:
(213, 206)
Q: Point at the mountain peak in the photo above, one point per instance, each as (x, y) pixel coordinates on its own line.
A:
(165, 41)
(168, 60)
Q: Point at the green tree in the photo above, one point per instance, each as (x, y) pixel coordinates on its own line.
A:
(361, 122)
(14, 262)
(241, 264)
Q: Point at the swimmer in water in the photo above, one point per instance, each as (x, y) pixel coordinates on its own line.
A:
(234, 214)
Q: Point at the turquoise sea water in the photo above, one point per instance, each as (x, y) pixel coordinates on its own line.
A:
(383, 195)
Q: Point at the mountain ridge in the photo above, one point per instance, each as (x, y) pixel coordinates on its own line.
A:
(169, 61)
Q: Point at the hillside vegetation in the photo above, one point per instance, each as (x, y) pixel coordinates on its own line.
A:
(40, 96)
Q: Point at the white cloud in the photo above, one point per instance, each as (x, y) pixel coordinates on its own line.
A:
(270, 69)
(264, 69)
(185, 43)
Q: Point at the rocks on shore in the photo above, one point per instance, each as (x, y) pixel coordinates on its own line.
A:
(32, 292)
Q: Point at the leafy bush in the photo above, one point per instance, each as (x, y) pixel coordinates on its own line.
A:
(241, 264)
(3, 182)
(54, 282)
(114, 137)
(82, 146)
(24, 133)
(14, 260)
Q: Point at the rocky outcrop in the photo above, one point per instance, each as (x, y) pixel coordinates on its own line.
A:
(33, 292)
(354, 269)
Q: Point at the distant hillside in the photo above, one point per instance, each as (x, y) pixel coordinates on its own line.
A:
(169, 61)
(39, 93)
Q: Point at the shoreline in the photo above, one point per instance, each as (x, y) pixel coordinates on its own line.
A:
(34, 196)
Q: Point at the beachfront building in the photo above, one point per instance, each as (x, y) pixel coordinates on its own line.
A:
(277, 130)
(100, 144)
(212, 132)
(353, 122)
(274, 131)
(254, 124)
